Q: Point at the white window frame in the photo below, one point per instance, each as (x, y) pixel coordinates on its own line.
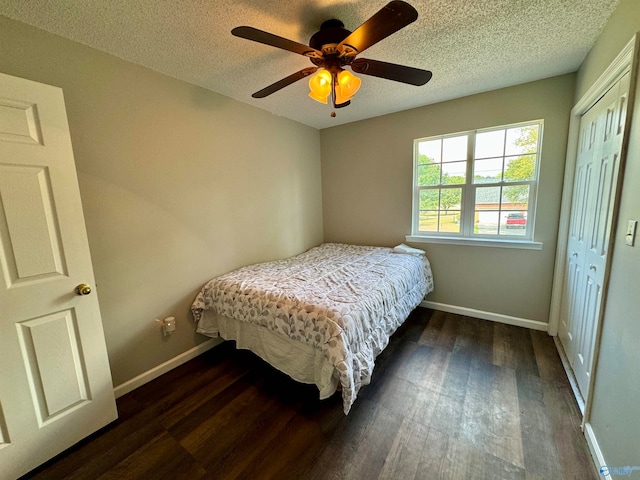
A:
(466, 236)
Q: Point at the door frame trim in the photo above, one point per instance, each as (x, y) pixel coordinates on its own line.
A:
(626, 61)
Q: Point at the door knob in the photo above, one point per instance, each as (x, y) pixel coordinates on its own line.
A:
(592, 267)
(83, 289)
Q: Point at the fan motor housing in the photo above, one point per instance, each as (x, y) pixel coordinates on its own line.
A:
(331, 32)
(327, 39)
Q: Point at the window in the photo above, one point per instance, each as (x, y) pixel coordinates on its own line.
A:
(477, 185)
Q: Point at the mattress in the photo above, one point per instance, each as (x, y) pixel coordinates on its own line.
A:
(322, 316)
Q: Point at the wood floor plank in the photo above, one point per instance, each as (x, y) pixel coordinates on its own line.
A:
(436, 370)
(412, 331)
(431, 333)
(226, 441)
(547, 358)
(334, 460)
(432, 464)
(160, 458)
(195, 429)
(196, 393)
(229, 457)
(540, 454)
(449, 332)
(404, 457)
(513, 348)
(567, 438)
(398, 394)
(371, 453)
(414, 366)
(465, 461)
(491, 415)
(483, 350)
(430, 387)
(466, 338)
(290, 455)
(401, 355)
(448, 412)
(118, 452)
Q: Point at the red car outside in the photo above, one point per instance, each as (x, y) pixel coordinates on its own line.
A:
(516, 220)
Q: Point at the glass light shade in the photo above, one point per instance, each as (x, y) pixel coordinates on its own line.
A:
(320, 85)
(347, 86)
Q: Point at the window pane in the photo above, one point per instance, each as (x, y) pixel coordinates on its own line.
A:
(450, 221)
(513, 223)
(522, 140)
(450, 198)
(487, 198)
(429, 199)
(440, 210)
(431, 149)
(454, 173)
(515, 197)
(520, 168)
(487, 171)
(454, 149)
(428, 222)
(490, 144)
(486, 222)
(428, 175)
(424, 160)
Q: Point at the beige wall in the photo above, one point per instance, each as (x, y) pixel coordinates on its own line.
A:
(615, 415)
(178, 184)
(367, 176)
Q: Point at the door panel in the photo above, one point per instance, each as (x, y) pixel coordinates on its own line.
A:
(19, 122)
(29, 234)
(55, 381)
(54, 365)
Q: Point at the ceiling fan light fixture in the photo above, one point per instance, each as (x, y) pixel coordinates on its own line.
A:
(334, 47)
(347, 86)
(320, 85)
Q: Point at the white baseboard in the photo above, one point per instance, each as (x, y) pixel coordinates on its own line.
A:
(163, 368)
(495, 317)
(594, 448)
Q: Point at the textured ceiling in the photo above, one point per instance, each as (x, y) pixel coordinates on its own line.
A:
(470, 46)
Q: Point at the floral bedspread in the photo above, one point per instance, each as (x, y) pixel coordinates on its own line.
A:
(346, 300)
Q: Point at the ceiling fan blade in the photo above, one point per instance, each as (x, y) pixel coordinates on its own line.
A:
(267, 38)
(391, 18)
(285, 82)
(391, 71)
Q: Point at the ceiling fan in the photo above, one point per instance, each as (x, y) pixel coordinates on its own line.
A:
(333, 47)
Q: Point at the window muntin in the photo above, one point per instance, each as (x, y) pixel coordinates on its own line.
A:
(479, 184)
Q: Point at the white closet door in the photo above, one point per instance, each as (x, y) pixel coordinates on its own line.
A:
(600, 144)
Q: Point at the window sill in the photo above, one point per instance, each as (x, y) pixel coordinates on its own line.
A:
(477, 242)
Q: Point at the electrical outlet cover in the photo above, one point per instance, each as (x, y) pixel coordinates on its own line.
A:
(169, 325)
(630, 237)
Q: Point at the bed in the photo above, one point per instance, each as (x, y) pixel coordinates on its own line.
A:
(322, 316)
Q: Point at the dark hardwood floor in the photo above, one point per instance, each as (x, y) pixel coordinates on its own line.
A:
(452, 397)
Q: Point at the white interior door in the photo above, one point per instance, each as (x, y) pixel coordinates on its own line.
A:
(600, 145)
(55, 381)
